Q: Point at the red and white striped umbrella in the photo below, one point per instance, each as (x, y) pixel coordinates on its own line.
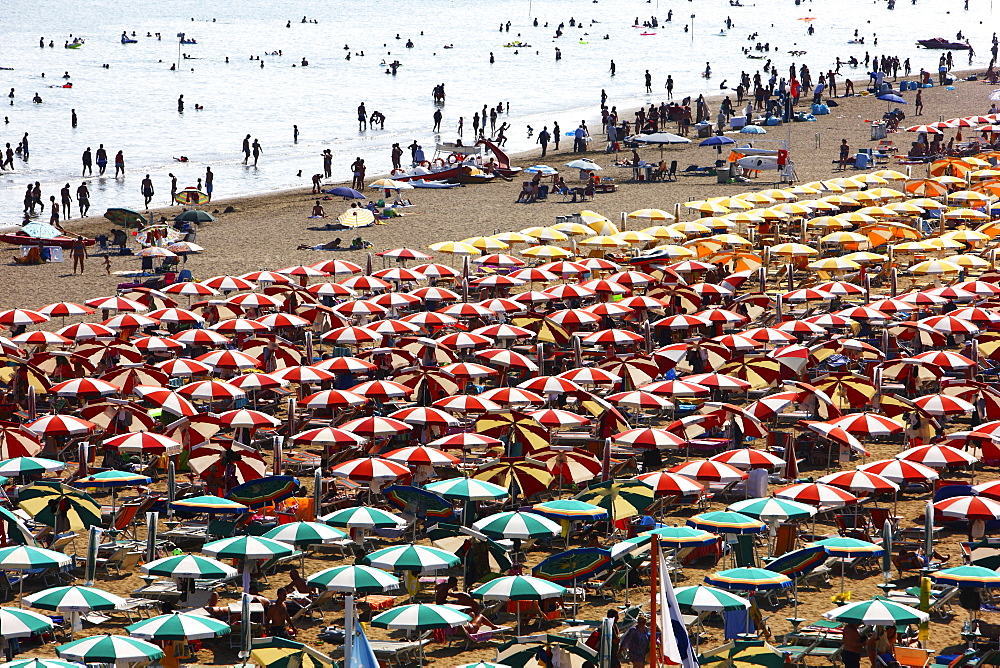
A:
(558, 419)
(632, 278)
(229, 359)
(499, 260)
(254, 300)
(612, 337)
(462, 340)
(166, 399)
(40, 337)
(608, 309)
(129, 321)
(181, 367)
(718, 381)
(737, 342)
(680, 321)
(425, 416)
(267, 277)
(399, 274)
(800, 327)
(507, 358)
(84, 388)
(508, 396)
(345, 365)
(648, 437)
(435, 270)
(335, 290)
(767, 408)
(200, 337)
(435, 294)
(382, 389)
(393, 327)
(367, 469)
(360, 307)
(605, 287)
(860, 481)
(351, 336)
(533, 297)
(590, 376)
(428, 319)
(327, 437)
(238, 326)
(257, 381)
(637, 399)
(532, 274)
(564, 268)
(711, 289)
(977, 315)
(665, 483)
(63, 309)
(642, 302)
(599, 264)
(504, 332)
(575, 465)
(464, 310)
(841, 288)
(817, 494)
(376, 426)
(469, 370)
(892, 306)
(969, 508)
(282, 320)
(981, 288)
(18, 317)
(990, 490)
(720, 316)
(60, 425)
(303, 375)
(860, 313)
(901, 471)
(950, 293)
(501, 305)
(112, 304)
(144, 442)
(922, 299)
(569, 291)
(466, 403)
(867, 424)
(938, 456)
(337, 267)
(333, 399)
(748, 458)
(228, 459)
(549, 385)
(190, 288)
(211, 390)
(573, 317)
(770, 335)
(943, 404)
(422, 455)
(831, 320)
(176, 315)
(82, 331)
(157, 344)
(228, 283)
(948, 324)
(465, 440)
(248, 419)
(706, 469)
(945, 359)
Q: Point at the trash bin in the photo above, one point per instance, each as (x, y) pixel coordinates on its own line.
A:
(861, 161)
(878, 131)
(724, 173)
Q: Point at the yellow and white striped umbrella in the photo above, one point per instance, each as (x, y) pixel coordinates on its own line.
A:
(734, 203)
(553, 252)
(819, 205)
(675, 252)
(664, 233)
(829, 222)
(982, 174)
(548, 234)
(965, 214)
(828, 187)
(779, 195)
(949, 180)
(870, 179)
(573, 229)
(514, 238)
(877, 211)
(834, 264)
(845, 183)
(634, 237)
(935, 268)
(978, 162)
(792, 209)
(730, 240)
(865, 257)
(969, 261)
(707, 207)
(454, 248)
(905, 208)
(771, 214)
(890, 174)
(756, 198)
(943, 243)
(587, 217)
(651, 215)
(604, 241)
(840, 200)
(913, 247)
(716, 223)
(856, 218)
(743, 217)
(605, 227)
(842, 238)
(689, 227)
(794, 250)
(927, 204)
(486, 243)
(968, 197)
(804, 190)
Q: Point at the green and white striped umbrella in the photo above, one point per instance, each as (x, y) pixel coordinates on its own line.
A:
(39, 663)
(25, 557)
(362, 517)
(22, 623)
(481, 664)
(74, 599)
(209, 504)
(305, 533)
(517, 588)
(109, 649)
(178, 626)
(354, 579)
(877, 612)
(413, 558)
(771, 509)
(468, 489)
(246, 547)
(700, 598)
(421, 616)
(112, 479)
(189, 566)
(515, 524)
(22, 465)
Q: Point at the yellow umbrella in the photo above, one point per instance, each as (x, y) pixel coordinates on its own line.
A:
(486, 243)
(792, 209)
(706, 207)
(756, 198)
(865, 257)
(514, 238)
(991, 230)
(866, 197)
(356, 218)
(948, 180)
(840, 200)
(890, 174)
(689, 227)
(779, 195)
(804, 190)
(853, 217)
(651, 215)
(870, 179)
(844, 238)
(967, 197)
(793, 250)
(716, 223)
(935, 268)
(980, 174)
(977, 162)
(454, 248)
(532, 231)
(730, 240)
(663, 232)
(965, 214)
(844, 183)
(819, 205)
(829, 222)
(553, 252)
(969, 261)
(743, 217)
(877, 211)
(587, 216)
(942, 243)
(635, 237)
(573, 229)
(905, 208)
(913, 247)
(828, 187)
(548, 234)
(605, 227)
(732, 203)
(834, 264)
(604, 241)
(927, 204)
(771, 214)
(675, 252)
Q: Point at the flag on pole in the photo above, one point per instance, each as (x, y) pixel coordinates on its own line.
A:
(362, 655)
(675, 645)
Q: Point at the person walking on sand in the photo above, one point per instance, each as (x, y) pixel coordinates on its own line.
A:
(67, 201)
(555, 136)
(845, 152)
(83, 199)
(102, 160)
(79, 252)
(246, 149)
(543, 139)
(918, 103)
(209, 182)
(54, 216)
(358, 169)
(257, 150)
(147, 190)
(88, 163)
(120, 164)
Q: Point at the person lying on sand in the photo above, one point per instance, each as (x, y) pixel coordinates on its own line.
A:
(329, 245)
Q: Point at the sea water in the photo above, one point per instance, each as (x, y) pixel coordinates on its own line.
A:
(132, 105)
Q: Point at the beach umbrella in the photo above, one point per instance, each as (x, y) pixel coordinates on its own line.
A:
(772, 509)
(246, 547)
(19, 466)
(74, 599)
(208, 504)
(235, 462)
(969, 508)
(700, 598)
(47, 500)
(367, 469)
(354, 579)
(573, 566)
(520, 476)
(748, 458)
(420, 617)
(23, 623)
(16, 442)
(362, 517)
(178, 626)
(938, 456)
(189, 566)
(876, 612)
(748, 579)
(517, 588)
(266, 491)
(665, 483)
(648, 437)
(468, 489)
(816, 494)
(901, 471)
(726, 522)
(412, 558)
(39, 663)
(620, 498)
(273, 652)
(569, 509)
(967, 576)
(515, 524)
(60, 425)
(860, 481)
(708, 470)
(110, 649)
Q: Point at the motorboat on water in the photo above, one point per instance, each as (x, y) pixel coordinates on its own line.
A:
(942, 43)
(458, 163)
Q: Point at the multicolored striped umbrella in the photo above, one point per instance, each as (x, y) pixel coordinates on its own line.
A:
(799, 562)
(112, 478)
(968, 576)
(846, 547)
(246, 547)
(771, 508)
(44, 498)
(420, 503)
(264, 491)
(208, 504)
(178, 626)
(27, 465)
(621, 498)
(573, 565)
(305, 533)
(515, 524)
(468, 489)
(748, 579)
(726, 522)
(420, 617)
(877, 612)
(517, 588)
(569, 509)
(363, 518)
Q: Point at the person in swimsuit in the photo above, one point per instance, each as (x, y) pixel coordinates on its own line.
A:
(79, 251)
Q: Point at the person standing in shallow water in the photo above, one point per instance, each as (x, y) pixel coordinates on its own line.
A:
(102, 160)
(257, 150)
(88, 163)
(147, 190)
(120, 164)
(246, 149)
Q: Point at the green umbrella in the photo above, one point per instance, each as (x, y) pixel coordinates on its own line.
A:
(19, 466)
(412, 558)
(23, 623)
(109, 649)
(877, 612)
(189, 566)
(569, 509)
(522, 652)
(727, 522)
(47, 501)
(483, 664)
(772, 509)
(468, 489)
(967, 576)
(420, 617)
(516, 524)
(748, 579)
(178, 626)
(700, 598)
(621, 498)
(112, 479)
(74, 599)
(25, 557)
(363, 518)
(208, 504)
(39, 663)
(246, 547)
(305, 533)
(194, 216)
(517, 588)
(354, 579)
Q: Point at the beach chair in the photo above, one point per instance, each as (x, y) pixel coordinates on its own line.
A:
(746, 555)
(606, 587)
(784, 539)
(114, 560)
(315, 607)
(483, 638)
(913, 657)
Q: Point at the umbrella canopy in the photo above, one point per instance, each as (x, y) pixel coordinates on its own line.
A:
(468, 489)
(700, 598)
(420, 617)
(110, 649)
(74, 599)
(354, 579)
(304, 533)
(363, 518)
(517, 588)
(18, 466)
(967, 576)
(208, 504)
(23, 623)
(515, 524)
(743, 653)
(877, 612)
(413, 558)
(845, 547)
(246, 547)
(620, 498)
(264, 491)
(189, 566)
(45, 501)
(281, 653)
(569, 509)
(748, 579)
(420, 503)
(25, 557)
(573, 565)
(178, 626)
(726, 522)
(771, 509)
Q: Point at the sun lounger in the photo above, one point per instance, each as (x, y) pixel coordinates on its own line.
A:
(398, 652)
(913, 657)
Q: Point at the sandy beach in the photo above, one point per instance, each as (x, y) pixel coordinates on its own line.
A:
(263, 232)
